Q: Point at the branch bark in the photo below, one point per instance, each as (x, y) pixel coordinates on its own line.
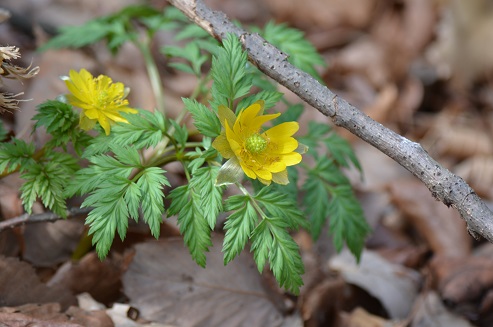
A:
(42, 217)
(443, 184)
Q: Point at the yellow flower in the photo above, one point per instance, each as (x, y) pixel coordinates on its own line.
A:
(262, 155)
(100, 99)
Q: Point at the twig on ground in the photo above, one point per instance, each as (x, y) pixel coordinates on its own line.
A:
(443, 184)
(42, 217)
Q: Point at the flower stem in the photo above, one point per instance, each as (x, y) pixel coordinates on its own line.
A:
(153, 72)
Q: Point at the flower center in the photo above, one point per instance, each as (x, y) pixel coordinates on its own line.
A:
(255, 144)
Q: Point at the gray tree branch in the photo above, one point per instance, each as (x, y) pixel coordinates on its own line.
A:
(443, 184)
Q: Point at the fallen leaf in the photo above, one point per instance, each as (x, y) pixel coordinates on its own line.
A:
(167, 286)
(19, 285)
(394, 286)
(441, 227)
(430, 312)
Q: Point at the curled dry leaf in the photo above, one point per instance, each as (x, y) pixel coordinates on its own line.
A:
(441, 227)
(429, 311)
(361, 318)
(462, 141)
(394, 286)
(478, 172)
(101, 279)
(167, 286)
(19, 285)
(465, 284)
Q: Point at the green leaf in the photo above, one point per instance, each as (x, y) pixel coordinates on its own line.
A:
(16, 154)
(116, 29)
(293, 113)
(302, 53)
(271, 241)
(281, 205)
(284, 258)
(239, 225)
(79, 36)
(110, 212)
(191, 53)
(341, 151)
(347, 223)
(206, 122)
(229, 73)
(270, 98)
(192, 222)
(261, 244)
(144, 130)
(151, 185)
(47, 181)
(328, 193)
(89, 179)
(203, 181)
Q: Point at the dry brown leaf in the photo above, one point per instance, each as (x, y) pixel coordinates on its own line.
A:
(50, 315)
(20, 285)
(478, 172)
(394, 286)
(46, 245)
(462, 141)
(166, 286)
(101, 279)
(441, 227)
(323, 13)
(430, 312)
(359, 317)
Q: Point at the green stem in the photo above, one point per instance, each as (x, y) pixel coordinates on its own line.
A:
(153, 72)
(253, 202)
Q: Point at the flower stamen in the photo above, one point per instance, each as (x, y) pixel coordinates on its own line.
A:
(255, 144)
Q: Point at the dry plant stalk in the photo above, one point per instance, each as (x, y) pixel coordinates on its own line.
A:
(9, 101)
(443, 184)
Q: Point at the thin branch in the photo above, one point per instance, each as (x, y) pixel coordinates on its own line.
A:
(443, 184)
(42, 217)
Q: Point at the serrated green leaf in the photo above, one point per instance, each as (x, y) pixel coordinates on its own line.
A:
(302, 53)
(16, 154)
(347, 223)
(206, 122)
(280, 205)
(284, 258)
(127, 155)
(261, 244)
(270, 240)
(46, 180)
(292, 113)
(341, 151)
(144, 130)
(203, 181)
(190, 53)
(229, 73)
(328, 194)
(239, 225)
(78, 36)
(151, 185)
(191, 220)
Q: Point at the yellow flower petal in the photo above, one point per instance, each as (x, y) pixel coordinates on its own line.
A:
(221, 144)
(263, 156)
(284, 129)
(226, 114)
(100, 99)
(280, 177)
(292, 158)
